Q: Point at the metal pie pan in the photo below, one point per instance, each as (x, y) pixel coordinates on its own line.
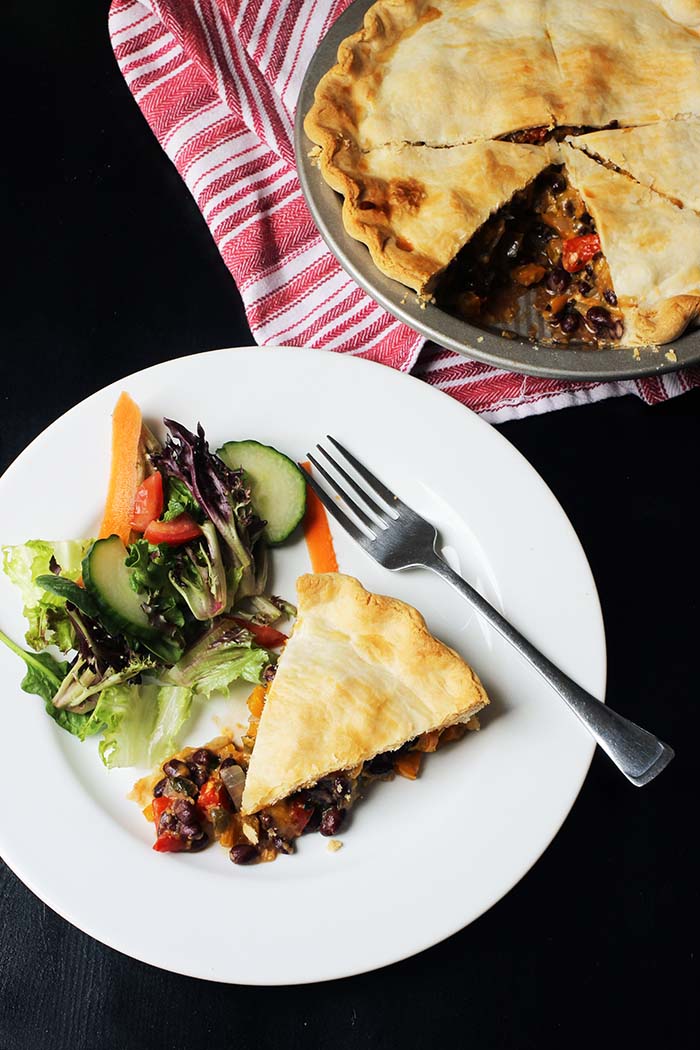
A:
(517, 354)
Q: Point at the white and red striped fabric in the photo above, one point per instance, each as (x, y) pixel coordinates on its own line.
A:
(218, 81)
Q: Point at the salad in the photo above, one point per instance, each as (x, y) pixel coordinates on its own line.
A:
(170, 601)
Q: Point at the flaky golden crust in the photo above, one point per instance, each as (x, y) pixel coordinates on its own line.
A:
(662, 156)
(652, 248)
(414, 207)
(360, 675)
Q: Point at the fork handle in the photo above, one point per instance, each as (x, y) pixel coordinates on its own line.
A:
(636, 753)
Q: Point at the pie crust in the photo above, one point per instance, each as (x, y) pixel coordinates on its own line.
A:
(425, 79)
(662, 156)
(360, 675)
(415, 207)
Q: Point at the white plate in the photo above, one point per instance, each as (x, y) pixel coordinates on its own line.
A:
(420, 860)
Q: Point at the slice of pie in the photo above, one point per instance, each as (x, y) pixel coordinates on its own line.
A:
(652, 248)
(360, 676)
(362, 691)
(415, 207)
(662, 156)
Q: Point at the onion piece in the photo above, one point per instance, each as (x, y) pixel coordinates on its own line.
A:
(233, 779)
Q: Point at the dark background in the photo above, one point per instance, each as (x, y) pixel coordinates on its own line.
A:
(109, 268)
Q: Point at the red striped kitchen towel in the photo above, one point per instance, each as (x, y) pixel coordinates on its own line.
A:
(217, 81)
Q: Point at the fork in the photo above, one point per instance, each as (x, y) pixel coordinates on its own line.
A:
(398, 538)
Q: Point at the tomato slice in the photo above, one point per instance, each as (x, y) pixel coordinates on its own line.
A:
(169, 843)
(578, 251)
(180, 530)
(265, 636)
(148, 503)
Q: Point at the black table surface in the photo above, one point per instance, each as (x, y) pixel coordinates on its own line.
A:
(110, 268)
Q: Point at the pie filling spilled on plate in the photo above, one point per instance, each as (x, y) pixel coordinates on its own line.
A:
(542, 245)
(197, 800)
(361, 692)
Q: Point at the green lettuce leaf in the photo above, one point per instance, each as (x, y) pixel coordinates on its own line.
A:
(140, 723)
(44, 610)
(180, 501)
(44, 677)
(224, 653)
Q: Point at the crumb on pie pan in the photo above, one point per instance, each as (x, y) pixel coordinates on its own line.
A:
(514, 350)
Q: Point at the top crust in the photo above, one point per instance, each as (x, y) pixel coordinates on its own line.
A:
(652, 248)
(662, 156)
(415, 207)
(360, 675)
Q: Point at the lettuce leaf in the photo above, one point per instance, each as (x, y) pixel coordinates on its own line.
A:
(224, 653)
(44, 677)
(44, 610)
(140, 723)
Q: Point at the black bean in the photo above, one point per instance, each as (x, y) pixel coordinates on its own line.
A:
(266, 820)
(227, 763)
(321, 793)
(570, 321)
(585, 287)
(569, 207)
(185, 810)
(586, 217)
(243, 854)
(557, 281)
(199, 842)
(175, 768)
(168, 822)
(539, 235)
(340, 786)
(331, 821)
(598, 315)
(160, 787)
(200, 774)
(380, 764)
(557, 183)
(190, 831)
(590, 271)
(281, 845)
(610, 297)
(203, 757)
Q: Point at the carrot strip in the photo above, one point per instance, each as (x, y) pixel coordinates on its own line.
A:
(317, 532)
(124, 474)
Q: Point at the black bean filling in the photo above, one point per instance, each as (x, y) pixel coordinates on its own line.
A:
(519, 253)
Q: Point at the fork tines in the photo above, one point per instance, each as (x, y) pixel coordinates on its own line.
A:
(379, 507)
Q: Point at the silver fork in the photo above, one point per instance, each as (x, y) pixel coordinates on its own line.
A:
(398, 538)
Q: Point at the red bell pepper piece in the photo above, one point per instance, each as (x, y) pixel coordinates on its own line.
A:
(213, 793)
(578, 251)
(265, 636)
(166, 841)
(180, 530)
(148, 503)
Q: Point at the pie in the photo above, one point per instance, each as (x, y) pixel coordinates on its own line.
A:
(362, 691)
(441, 125)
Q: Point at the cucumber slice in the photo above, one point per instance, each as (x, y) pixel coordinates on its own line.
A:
(106, 579)
(277, 485)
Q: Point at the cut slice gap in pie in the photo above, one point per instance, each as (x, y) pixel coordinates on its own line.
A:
(652, 248)
(415, 206)
(362, 691)
(539, 252)
(662, 156)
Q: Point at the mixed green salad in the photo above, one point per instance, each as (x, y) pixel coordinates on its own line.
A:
(170, 602)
